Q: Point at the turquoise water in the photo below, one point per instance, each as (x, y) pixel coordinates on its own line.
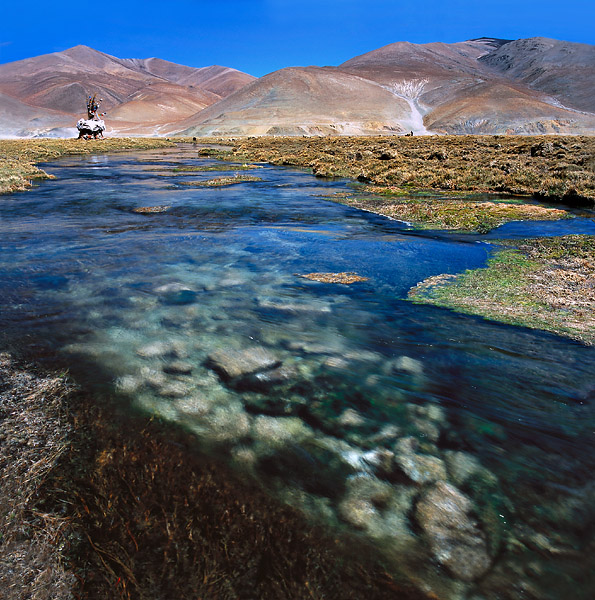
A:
(347, 401)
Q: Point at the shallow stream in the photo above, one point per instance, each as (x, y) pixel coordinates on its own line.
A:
(464, 448)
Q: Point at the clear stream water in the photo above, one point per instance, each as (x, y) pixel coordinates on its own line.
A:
(361, 400)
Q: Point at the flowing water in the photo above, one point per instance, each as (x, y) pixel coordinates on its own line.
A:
(362, 409)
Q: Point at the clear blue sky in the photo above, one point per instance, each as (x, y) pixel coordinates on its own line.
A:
(261, 36)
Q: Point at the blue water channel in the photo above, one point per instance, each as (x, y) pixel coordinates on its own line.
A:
(347, 401)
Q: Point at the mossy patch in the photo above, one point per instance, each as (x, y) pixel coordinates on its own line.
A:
(542, 283)
(465, 214)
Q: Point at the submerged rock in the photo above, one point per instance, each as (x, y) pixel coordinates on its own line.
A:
(274, 432)
(461, 465)
(316, 307)
(178, 367)
(157, 350)
(193, 407)
(351, 418)
(232, 364)
(444, 514)
(173, 389)
(264, 380)
(128, 384)
(388, 433)
(358, 512)
(421, 468)
(406, 364)
(226, 424)
(176, 293)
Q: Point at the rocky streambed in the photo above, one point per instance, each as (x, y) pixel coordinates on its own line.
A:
(459, 448)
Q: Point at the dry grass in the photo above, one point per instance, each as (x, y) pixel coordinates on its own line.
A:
(34, 434)
(550, 167)
(222, 181)
(345, 278)
(545, 283)
(151, 210)
(18, 157)
(207, 168)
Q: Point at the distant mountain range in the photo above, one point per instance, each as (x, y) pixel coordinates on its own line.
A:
(483, 86)
(44, 94)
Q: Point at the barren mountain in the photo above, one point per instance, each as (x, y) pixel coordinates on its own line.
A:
(304, 101)
(140, 95)
(563, 69)
(18, 119)
(486, 85)
(424, 88)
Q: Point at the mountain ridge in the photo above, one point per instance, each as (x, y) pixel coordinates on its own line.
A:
(482, 86)
(449, 88)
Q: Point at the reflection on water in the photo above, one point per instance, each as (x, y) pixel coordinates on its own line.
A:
(464, 448)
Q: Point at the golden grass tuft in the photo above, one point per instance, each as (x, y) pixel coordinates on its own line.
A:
(344, 277)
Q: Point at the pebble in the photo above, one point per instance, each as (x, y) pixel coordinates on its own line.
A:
(461, 466)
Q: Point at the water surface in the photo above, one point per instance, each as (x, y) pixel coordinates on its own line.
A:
(359, 382)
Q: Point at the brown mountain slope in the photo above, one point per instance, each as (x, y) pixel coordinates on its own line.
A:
(496, 108)
(149, 91)
(304, 101)
(563, 69)
(425, 88)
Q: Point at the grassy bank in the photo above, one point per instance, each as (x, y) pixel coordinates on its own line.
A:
(428, 180)
(545, 283)
(18, 157)
(98, 505)
(548, 167)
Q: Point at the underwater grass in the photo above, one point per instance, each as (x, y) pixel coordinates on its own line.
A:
(107, 505)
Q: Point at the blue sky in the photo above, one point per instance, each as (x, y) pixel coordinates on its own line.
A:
(260, 36)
